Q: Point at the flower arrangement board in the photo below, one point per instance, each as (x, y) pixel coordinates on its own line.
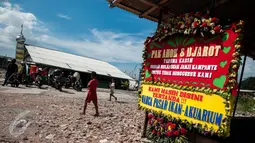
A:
(190, 73)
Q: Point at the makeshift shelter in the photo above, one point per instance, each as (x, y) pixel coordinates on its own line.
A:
(70, 62)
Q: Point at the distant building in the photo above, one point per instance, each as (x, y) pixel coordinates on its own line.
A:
(4, 61)
(44, 57)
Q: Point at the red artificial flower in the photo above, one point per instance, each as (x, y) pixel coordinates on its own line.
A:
(158, 119)
(204, 24)
(183, 131)
(153, 131)
(176, 133)
(214, 19)
(173, 126)
(168, 124)
(149, 122)
(169, 133)
(217, 28)
(187, 25)
(195, 24)
(191, 14)
(198, 14)
(150, 115)
(158, 133)
(234, 26)
(165, 30)
(161, 121)
(206, 16)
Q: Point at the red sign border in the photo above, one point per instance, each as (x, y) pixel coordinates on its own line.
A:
(226, 94)
(231, 78)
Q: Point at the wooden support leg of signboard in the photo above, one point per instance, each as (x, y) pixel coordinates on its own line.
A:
(193, 136)
(145, 124)
(239, 85)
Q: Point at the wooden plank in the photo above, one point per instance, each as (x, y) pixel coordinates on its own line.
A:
(154, 6)
(115, 2)
(145, 124)
(219, 2)
(136, 12)
(150, 3)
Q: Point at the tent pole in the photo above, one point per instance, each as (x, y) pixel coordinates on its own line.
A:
(240, 83)
(146, 112)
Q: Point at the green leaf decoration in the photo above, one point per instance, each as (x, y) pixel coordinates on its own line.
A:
(225, 36)
(177, 41)
(200, 39)
(194, 82)
(211, 39)
(223, 63)
(190, 41)
(147, 63)
(147, 74)
(180, 42)
(226, 49)
(219, 82)
(157, 45)
(149, 56)
(185, 40)
(151, 45)
(171, 43)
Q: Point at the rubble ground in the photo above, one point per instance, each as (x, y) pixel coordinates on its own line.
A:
(29, 114)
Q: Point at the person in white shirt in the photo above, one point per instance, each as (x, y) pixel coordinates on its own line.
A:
(112, 88)
(77, 76)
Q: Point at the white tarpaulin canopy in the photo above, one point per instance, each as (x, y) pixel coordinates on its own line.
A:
(73, 62)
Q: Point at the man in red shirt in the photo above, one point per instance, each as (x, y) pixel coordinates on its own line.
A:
(92, 93)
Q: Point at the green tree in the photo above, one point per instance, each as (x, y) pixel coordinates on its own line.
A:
(125, 84)
(246, 102)
(248, 83)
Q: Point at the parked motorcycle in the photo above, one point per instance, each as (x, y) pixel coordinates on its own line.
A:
(68, 82)
(38, 81)
(27, 80)
(77, 85)
(13, 80)
(59, 82)
(52, 75)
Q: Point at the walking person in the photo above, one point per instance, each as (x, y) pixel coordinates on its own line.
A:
(112, 88)
(12, 68)
(92, 93)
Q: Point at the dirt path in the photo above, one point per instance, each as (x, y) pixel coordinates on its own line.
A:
(46, 115)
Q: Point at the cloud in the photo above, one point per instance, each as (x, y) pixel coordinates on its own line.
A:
(64, 16)
(104, 45)
(11, 18)
(101, 44)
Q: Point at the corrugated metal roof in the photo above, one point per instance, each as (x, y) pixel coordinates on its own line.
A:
(73, 62)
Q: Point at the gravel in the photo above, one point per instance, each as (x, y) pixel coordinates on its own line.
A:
(47, 115)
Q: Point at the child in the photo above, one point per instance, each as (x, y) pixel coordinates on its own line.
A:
(112, 87)
(92, 93)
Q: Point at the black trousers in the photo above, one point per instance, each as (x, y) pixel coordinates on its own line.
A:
(7, 76)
